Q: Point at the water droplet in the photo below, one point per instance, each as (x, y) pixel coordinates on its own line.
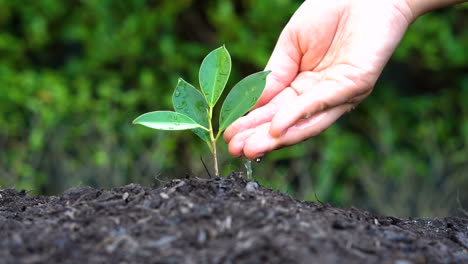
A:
(177, 93)
(258, 159)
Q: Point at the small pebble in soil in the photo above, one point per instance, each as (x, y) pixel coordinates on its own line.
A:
(201, 238)
(403, 261)
(125, 196)
(251, 186)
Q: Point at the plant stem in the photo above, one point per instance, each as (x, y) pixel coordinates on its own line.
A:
(213, 143)
(215, 158)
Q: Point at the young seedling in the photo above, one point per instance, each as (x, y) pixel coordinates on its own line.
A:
(194, 109)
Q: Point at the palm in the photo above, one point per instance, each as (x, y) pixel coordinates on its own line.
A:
(326, 61)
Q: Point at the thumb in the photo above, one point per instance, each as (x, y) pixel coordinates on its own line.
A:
(283, 64)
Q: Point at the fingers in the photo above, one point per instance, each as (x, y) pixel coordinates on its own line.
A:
(257, 141)
(301, 111)
(313, 101)
(260, 115)
(237, 144)
(253, 119)
(283, 64)
(316, 97)
(313, 126)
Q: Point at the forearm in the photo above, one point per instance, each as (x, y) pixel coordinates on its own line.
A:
(420, 7)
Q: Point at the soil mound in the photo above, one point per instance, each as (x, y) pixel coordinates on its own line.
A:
(220, 220)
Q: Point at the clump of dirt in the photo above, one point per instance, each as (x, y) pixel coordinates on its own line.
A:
(220, 220)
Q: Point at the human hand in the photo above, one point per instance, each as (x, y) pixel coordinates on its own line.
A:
(326, 61)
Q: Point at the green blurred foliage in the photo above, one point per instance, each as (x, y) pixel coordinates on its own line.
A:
(74, 74)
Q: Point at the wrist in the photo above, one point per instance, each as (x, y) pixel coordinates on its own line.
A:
(420, 7)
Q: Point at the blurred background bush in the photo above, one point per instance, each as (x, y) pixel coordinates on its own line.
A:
(74, 74)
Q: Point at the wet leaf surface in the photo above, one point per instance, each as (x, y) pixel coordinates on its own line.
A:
(190, 102)
(214, 74)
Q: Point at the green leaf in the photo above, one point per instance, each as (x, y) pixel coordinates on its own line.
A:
(242, 97)
(214, 73)
(189, 101)
(166, 120)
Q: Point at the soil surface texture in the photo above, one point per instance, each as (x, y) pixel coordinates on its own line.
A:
(220, 220)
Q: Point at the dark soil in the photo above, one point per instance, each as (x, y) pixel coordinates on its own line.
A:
(213, 221)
